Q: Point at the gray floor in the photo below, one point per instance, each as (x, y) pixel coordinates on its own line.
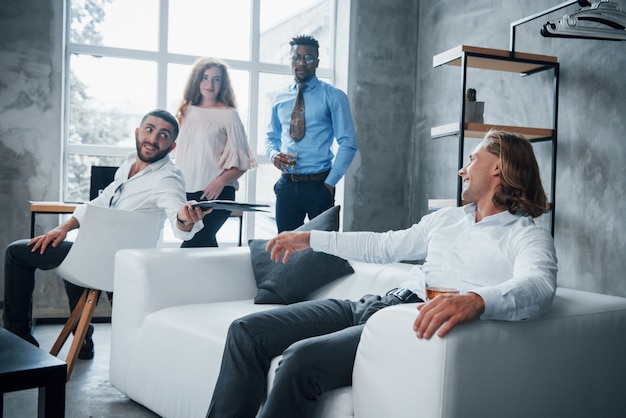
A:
(89, 392)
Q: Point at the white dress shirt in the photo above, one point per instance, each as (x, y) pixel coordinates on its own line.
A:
(158, 187)
(505, 258)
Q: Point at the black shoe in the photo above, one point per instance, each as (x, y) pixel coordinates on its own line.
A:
(86, 350)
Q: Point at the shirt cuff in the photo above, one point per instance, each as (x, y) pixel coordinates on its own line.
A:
(492, 298)
(79, 213)
(187, 235)
(319, 240)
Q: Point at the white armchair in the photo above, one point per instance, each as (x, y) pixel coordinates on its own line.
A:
(89, 263)
(569, 363)
(173, 308)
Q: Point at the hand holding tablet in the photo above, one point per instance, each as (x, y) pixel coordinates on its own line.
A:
(230, 205)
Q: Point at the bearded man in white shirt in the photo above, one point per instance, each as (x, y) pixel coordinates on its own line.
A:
(508, 265)
(146, 181)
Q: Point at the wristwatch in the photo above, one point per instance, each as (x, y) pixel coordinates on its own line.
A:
(183, 223)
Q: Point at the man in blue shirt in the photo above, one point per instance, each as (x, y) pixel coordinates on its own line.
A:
(308, 186)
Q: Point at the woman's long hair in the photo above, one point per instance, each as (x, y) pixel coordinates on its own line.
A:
(191, 94)
(520, 188)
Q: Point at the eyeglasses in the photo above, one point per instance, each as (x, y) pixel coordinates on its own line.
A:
(116, 196)
(308, 58)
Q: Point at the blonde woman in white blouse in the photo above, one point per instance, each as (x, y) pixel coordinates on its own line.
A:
(213, 150)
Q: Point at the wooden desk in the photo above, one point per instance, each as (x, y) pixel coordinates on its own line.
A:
(62, 207)
(24, 366)
(49, 208)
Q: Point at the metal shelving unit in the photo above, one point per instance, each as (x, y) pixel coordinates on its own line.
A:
(525, 64)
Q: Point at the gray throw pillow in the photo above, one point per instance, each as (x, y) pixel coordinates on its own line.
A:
(305, 272)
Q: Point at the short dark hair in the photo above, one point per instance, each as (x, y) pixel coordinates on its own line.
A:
(166, 116)
(306, 40)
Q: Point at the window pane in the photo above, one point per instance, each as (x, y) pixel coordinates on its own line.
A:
(108, 97)
(214, 28)
(176, 78)
(79, 174)
(241, 84)
(283, 19)
(115, 23)
(177, 75)
(269, 85)
(265, 223)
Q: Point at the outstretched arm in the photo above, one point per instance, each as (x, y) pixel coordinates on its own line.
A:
(282, 246)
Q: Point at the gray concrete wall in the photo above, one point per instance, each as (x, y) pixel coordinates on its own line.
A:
(31, 57)
(382, 84)
(591, 164)
(396, 97)
(30, 123)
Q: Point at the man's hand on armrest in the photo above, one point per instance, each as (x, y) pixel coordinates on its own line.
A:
(445, 312)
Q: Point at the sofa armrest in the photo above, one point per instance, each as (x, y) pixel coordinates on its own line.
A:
(568, 363)
(173, 277)
(150, 280)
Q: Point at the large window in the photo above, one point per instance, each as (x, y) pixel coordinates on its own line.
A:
(124, 58)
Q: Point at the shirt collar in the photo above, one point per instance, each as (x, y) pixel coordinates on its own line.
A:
(310, 84)
(152, 166)
(503, 218)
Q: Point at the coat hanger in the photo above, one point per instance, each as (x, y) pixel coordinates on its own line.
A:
(595, 20)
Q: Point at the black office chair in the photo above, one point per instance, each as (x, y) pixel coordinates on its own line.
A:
(101, 177)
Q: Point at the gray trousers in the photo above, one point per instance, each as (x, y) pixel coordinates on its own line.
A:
(318, 340)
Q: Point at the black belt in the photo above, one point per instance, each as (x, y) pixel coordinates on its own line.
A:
(405, 295)
(297, 178)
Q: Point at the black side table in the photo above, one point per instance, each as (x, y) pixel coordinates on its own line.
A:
(24, 366)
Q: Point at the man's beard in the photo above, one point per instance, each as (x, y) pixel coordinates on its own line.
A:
(158, 156)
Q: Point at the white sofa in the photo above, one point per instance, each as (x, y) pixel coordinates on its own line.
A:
(173, 307)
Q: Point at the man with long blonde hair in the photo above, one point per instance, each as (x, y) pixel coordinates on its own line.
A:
(507, 266)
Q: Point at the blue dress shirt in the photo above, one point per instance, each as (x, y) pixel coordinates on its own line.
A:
(327, 117)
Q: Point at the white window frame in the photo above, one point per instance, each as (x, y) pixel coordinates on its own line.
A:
(340, 12)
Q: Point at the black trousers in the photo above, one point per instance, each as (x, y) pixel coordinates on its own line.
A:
(206, 237)
(297, 200)
(318, 340)
(20, 264)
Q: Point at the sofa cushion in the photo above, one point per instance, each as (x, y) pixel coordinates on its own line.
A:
(306, 270)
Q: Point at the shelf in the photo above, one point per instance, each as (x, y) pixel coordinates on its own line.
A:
(478, 130)
(434, 204)
(495, 59)
(464, 57)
